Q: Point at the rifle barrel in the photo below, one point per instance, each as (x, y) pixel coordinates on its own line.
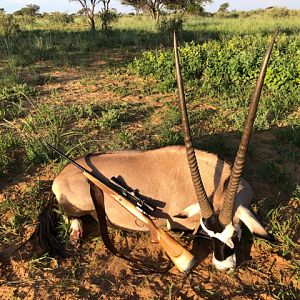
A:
(69, 159)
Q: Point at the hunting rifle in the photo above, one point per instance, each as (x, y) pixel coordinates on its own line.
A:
(181, 258)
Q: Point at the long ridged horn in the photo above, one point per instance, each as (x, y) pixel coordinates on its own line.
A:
(206, 209)
(225, 216)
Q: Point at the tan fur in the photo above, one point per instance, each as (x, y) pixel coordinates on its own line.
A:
(161, 175)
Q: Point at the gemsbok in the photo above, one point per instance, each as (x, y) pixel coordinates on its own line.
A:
(214, 196)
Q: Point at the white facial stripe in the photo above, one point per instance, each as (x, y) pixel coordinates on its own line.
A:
(190, 211)
(228, 263)
(225, 236)
(250, 221)
(168, 224)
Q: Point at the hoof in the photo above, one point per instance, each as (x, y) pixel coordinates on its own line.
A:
(76, 232)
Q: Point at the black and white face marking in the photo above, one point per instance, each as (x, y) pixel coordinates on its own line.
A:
(223, 246)
(223, 238)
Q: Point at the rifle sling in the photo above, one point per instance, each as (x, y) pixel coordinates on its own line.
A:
(98, 200)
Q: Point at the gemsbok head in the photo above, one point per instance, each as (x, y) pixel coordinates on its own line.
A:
(214, 196)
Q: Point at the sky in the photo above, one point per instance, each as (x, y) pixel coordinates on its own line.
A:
(70, 7)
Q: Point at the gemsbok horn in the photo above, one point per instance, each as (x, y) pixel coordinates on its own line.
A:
(219, 225)
(170, 180)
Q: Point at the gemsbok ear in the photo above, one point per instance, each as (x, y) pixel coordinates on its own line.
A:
(252, 223)
(189, 211)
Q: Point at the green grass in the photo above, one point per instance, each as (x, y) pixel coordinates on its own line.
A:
(22, 213)
(215, 27)
(12, 98)
(286, 229)
(8, 146)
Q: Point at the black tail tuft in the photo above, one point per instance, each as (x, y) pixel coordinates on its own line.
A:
(44, 238)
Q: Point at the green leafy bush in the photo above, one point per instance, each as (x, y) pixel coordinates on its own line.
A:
(160, 64)
(226, 65)
(168, 25)
(60, 18)
(228, 69)
(107, 18)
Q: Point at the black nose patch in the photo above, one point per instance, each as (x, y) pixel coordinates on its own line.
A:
(221, 250)
(212, 223)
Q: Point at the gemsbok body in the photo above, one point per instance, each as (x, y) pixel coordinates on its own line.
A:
(213, 196)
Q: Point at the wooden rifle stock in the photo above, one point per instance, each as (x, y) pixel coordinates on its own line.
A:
(182, 258)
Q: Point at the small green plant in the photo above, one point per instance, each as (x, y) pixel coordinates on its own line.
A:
(124, 139)
(21, 212)
(285, 224)
(271, 173)
(9, 145)
(41, 263)
(168, 133)
(63, 229)
(12, 98)
(111, 118)
(286, 293)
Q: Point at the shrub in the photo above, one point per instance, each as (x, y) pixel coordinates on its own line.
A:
(160, 64)
(229, 68)
(224, 66)
(107, 18)
(60, 18)
(8, 24)
(279, 12)
(170, 24)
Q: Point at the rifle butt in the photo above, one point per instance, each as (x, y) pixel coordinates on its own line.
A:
(181, 257)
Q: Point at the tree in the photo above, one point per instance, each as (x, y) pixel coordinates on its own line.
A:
(154, 7)
(89, 10)
(30, 10)
(223, 7)
(80, 12)
(194, 7)
(89, 7)
(151, 6)
(60, 18)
